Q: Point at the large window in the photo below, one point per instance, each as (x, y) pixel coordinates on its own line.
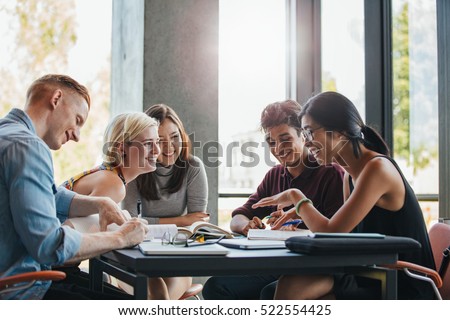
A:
(343, 49)
(415, 98)
(71, 37)
(252, 74)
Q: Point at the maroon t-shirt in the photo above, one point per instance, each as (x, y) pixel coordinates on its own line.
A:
(322, 184)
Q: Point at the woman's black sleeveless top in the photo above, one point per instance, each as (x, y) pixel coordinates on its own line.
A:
(406, 222)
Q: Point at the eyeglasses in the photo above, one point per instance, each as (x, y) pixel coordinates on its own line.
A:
(181, 239)
(308, 134)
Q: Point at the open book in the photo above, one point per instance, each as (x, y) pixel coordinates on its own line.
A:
(267, 234)
(208, 229)
(90, 224)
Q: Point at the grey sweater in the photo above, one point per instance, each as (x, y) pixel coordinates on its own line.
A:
(192, 196)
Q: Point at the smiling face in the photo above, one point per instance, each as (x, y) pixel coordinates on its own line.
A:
(323, 144)
(170, 142)
(143, 151)
(68, 116)
(285, 144)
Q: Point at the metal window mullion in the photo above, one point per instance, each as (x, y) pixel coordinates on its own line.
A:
(378, 66)
(443, 33)
(308, 49)
(291, 50)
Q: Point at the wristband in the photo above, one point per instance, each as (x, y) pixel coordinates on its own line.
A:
(298, 205)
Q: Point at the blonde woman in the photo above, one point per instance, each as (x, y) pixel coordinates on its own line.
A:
(130, 148)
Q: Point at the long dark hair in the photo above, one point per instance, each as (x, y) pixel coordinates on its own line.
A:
(335, 112)
(146, 182)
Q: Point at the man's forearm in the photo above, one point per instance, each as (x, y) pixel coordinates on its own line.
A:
(94, 244)
(83, 206)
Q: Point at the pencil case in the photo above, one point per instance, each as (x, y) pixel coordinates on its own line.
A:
(342, 246)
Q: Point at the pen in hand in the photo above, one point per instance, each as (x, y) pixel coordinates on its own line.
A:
(138, 207)
(292, 222)
(256, 223)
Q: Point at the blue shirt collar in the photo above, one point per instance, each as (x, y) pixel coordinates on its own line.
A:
(20, 116)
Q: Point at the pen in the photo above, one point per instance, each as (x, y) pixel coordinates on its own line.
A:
(293, 222)
(138, 207)
(268, 217)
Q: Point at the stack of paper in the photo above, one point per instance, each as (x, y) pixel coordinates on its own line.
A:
(264, 234)
(246, 244)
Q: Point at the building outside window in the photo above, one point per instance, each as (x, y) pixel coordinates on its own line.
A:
(252, 74)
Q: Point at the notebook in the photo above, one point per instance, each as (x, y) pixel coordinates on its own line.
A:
(247, 244)
(157, 249)
(267, 234)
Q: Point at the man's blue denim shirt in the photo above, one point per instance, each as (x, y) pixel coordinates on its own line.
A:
(31, 207)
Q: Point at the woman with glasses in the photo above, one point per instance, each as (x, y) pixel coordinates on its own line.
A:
(296, 169)
(378, 199)
(130, 148)
(177, 191)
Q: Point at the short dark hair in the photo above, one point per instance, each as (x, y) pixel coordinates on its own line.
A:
(40, 85)
(282, 112)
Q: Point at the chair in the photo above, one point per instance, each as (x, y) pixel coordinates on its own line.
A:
(440, 240)
(26, 280)
(193, 291)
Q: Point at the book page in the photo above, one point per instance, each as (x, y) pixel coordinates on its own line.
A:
(209, 228)
(255, 234)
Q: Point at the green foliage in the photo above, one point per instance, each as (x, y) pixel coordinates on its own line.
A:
(45, 34)
(42, 33)
(328, 82)
(400, 62)
(417, 156)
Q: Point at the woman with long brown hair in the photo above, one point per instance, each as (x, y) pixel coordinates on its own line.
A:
(177, 191)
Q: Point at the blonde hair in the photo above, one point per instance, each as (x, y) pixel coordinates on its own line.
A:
(123, 128)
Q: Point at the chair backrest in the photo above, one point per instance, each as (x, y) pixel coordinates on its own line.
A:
(440, 239)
